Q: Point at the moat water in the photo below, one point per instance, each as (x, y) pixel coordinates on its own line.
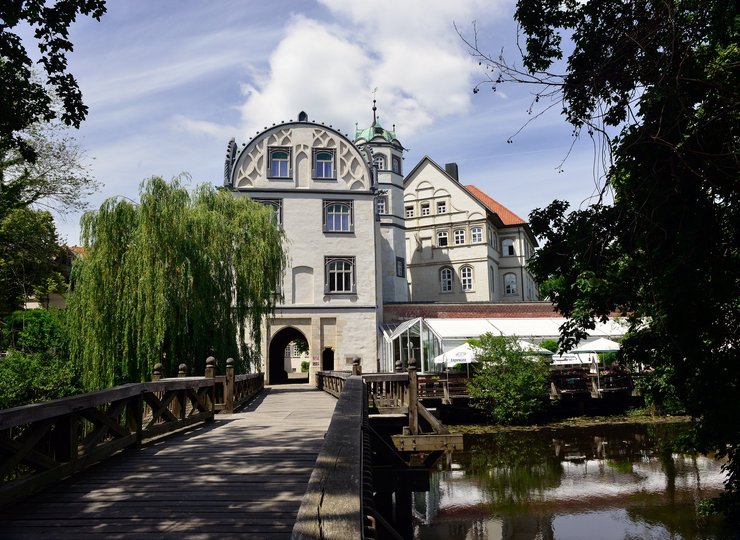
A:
(614, 482)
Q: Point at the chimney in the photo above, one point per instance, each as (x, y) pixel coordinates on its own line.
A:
(451, 169)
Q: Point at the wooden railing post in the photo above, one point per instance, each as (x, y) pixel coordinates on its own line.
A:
(157, 373)
(210, 367)
(413, 402)
(229, 386)
(182, 370)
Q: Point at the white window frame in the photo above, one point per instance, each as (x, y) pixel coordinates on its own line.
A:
(441, 207)
(334, 213)
(426, 209)
(466, 278)
(381, 205)
(287, 173)
(320, 171)
(443, 235)
(458, 237)
(379, 162)
(339, 275)
(510, 284)
(409, 211)
(476, 235)
(508, 243)
(446, 279)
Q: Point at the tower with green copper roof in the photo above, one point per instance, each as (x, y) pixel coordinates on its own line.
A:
(386, 152)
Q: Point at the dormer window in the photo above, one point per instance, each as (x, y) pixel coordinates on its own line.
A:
(323, 163)
(278, 162)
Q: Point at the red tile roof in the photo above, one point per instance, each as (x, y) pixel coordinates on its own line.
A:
(507, 216)
(484, 310)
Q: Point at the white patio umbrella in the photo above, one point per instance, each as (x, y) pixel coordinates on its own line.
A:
(534, 349)
(601, 345)
(462, 354)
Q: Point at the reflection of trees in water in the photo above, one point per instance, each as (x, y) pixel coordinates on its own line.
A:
(517, 467)
(514, 467)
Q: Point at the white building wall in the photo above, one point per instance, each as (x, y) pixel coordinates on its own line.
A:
(345, 322)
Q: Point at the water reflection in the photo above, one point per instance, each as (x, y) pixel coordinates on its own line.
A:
(605, 482)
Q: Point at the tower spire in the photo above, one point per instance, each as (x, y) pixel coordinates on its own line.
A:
(374, 107)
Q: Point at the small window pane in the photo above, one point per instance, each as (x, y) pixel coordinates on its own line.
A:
(396, 163)
(324, 165)
(442, 237)
(507, 247)
(459, 237)
(338, 217)
(510, 283)
(340, 275)
(381, 205)
(445, 278)
(279, 163)
(466, 278)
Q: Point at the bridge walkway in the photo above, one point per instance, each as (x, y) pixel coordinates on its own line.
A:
(242, 476)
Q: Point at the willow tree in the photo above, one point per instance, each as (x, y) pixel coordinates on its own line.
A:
(172, 279)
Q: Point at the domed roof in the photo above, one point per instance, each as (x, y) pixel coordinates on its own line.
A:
(376, 130)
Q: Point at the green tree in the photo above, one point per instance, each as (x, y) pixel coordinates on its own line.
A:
(173, 279)
(57, 179)
(662, 77)
(30, 257)
(23, 99)
(509, 385)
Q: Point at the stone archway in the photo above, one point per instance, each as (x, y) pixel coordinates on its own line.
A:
(276, 359)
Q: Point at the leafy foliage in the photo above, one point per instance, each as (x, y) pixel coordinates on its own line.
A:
(36, 367)
(30, 257)
(550, 344)
(663, 76)
(509, 385)
(24, 100)
(174, 279)
(56, 179)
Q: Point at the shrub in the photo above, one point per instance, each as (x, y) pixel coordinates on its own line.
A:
(34, 377)
(509, 385)
(304, 366)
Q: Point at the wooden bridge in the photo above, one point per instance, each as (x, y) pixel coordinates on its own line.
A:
(294, 462)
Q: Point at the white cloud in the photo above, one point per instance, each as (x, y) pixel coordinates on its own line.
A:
(408, 50)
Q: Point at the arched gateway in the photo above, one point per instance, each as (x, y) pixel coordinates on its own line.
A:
(277, 370)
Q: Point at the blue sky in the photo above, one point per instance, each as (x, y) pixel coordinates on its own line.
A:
(169, 82)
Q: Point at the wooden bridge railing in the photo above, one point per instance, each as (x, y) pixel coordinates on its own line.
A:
(45, 442)
(335, 503)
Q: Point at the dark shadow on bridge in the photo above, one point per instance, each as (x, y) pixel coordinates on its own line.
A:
(241, 476)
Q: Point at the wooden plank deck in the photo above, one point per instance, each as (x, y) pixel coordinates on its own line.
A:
(241, 477)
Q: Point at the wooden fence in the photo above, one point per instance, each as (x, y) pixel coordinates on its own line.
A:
(44, 442)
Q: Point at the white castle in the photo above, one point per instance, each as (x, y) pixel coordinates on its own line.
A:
(361, 234)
